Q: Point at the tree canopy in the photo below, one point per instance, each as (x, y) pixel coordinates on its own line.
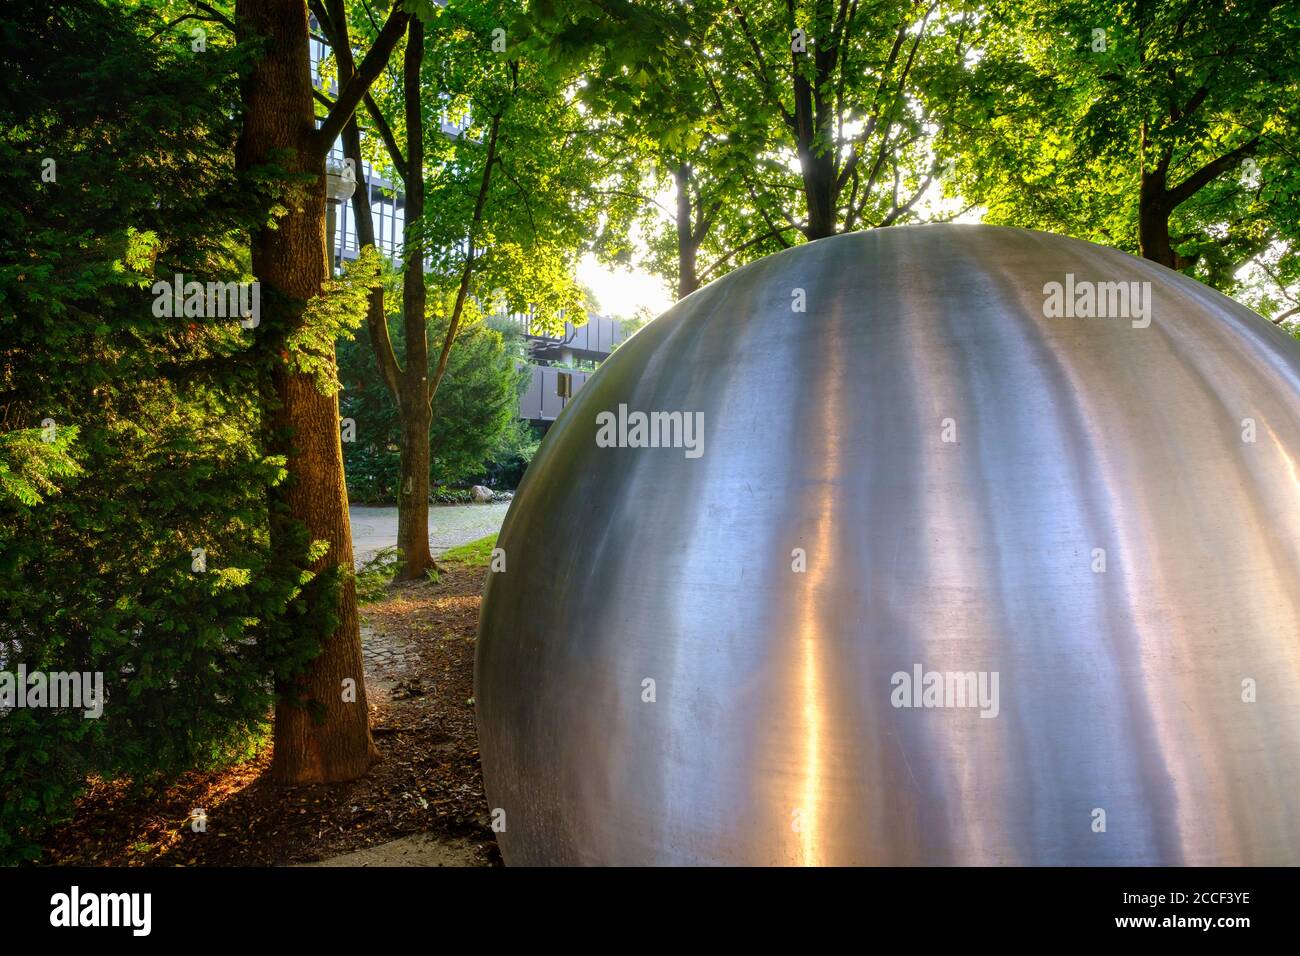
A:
(1164, 129)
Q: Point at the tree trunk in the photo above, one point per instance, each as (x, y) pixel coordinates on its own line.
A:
(816, 168)
(413, 490)
(409, 386)
(322, 727)
(687, 280)
(376, 317)
(1154, 206)
(819, 190)
(1153, 219)
(813, 117)
(413, 403)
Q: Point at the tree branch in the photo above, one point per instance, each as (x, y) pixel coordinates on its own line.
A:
(189, 16)
(761, 71)
(335, 26)
(376, 316)
(458, 310)
(904, 209)
(324, 19)
(355, 88)
(336, 31)
(870, 126)
(1207, 173)
(386, 134)
(218, 16)
(773, 234)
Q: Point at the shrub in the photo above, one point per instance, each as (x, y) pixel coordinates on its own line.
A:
(135, 542)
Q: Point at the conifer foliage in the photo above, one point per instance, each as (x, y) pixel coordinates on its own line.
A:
(134, 476)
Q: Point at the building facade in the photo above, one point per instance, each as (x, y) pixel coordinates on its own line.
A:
(560, 366)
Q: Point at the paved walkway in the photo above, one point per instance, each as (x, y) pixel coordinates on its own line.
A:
(374, 529)
(420, 849)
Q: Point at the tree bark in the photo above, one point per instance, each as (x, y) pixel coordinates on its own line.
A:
(407, 388)
(413, 402)
(813, 129)
(334, 22)
(467, 270)
(1153, 230)
(413, 490)
(687, 280)
(1154, 208)
(1157, 199)
(376, 317)
(321, 733)
(816, 161)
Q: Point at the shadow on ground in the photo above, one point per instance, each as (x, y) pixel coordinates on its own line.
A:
(426, 793)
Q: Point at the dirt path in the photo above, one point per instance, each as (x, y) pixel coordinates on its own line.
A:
(421, 805)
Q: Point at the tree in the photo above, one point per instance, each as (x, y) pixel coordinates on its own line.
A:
(1164, 128)
(845, 87)
(494, 214)
(659, 120)
(322, 726)
(477, 405)
(778, 121)
(135, 481)
(409, 384)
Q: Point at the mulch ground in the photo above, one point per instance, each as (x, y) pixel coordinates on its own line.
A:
(420, 682)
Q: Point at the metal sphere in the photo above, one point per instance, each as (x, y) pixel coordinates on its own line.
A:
(984, 558)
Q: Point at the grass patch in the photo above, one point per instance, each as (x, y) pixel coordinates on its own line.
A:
(476, 554)
(374, 577)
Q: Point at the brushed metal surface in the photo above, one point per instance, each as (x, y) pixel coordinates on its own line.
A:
(773, 736)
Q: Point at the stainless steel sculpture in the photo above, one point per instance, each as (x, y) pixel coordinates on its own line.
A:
(987, 559)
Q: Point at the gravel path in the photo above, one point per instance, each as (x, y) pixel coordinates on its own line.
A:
(375, 528)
